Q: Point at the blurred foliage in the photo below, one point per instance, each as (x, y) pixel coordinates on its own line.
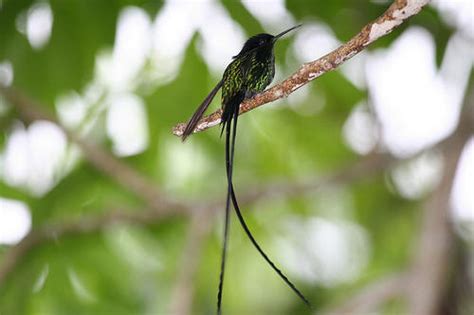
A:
(132, 269)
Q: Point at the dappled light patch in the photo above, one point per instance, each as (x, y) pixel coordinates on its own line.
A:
(324, 251)
(6, 73)
(417, 110)
(15, 221)
(33, 157)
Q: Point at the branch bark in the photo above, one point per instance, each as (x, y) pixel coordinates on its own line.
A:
(399, 11)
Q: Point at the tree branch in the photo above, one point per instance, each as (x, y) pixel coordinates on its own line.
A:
(432, 253)
(102, 160)
(398, 12)
(182, 295)
(422, 283)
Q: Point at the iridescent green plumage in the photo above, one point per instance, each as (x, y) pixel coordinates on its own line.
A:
(251, 71)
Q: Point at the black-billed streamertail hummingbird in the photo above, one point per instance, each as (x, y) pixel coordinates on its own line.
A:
(251, 70)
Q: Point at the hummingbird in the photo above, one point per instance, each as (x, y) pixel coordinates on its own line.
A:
(249, 73)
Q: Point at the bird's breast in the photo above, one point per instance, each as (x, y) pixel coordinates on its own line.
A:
(250, 74)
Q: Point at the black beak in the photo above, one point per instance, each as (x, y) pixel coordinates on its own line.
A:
(276, 37)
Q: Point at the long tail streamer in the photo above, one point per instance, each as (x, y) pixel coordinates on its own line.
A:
(230, 145)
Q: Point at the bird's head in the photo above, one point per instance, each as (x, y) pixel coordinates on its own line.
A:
(262, 40)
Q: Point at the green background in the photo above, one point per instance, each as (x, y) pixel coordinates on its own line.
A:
(133, 267)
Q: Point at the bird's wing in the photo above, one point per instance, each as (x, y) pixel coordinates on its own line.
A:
(192, 123)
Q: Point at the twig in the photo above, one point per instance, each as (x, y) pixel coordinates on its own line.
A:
(398, 12)
(15, 254)
(82, 226)
(364, 168)
(371, 297)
